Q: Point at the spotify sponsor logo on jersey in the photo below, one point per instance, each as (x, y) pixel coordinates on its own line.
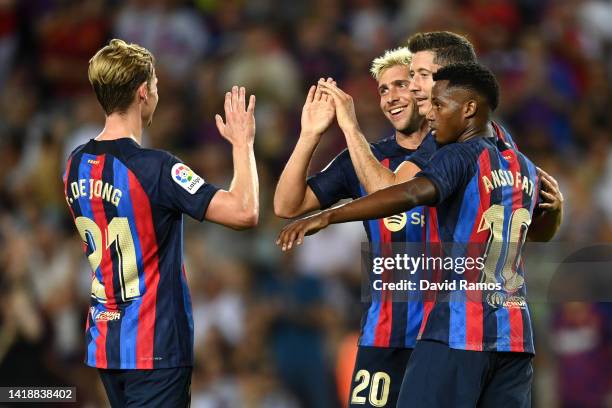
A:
(186, 178)
(396, 222)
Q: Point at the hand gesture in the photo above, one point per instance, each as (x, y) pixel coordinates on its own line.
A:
(550, 193)
(343, 102)
(318, 111)
(295, 232)
(239, 125)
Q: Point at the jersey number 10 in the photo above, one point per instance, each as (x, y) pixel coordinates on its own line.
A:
(118, 238)
(505, 245)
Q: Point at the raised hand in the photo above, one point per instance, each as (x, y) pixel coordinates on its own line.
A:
(550, 192)
(294, 233)
(343, 102)
(318, 111)
(239, 125)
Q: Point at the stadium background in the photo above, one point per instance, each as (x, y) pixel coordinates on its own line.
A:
(277, 330)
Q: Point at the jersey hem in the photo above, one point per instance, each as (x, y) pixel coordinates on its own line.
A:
(156, 366)
(485, 346)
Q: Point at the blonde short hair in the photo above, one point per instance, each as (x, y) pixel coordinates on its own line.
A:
(391, 58)
(116, 72)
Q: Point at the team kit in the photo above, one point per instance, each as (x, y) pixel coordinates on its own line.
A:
(448, 176)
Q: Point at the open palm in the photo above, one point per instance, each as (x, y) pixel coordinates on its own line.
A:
(239, 125)
(318, 112)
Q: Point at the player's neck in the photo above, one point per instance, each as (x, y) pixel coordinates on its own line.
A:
(412, 140)
(474, 130)
(119, 126)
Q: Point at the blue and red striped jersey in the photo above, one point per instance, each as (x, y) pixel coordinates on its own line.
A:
(503, 136)
(127, 203)
(487, 192)
(384, 323)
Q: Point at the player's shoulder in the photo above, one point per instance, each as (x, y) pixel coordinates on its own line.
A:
(148, 164)
(463, 154)
(386, 147)
(504, 136)
(428, 145)
(461, 148)
(341, 160)
(77, 150)
(145, 160)
(384, 142)
(145, 153)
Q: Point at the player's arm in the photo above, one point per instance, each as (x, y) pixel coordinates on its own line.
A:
(383, 203)
(549, 213)
(293, 197)
(238, 207)
(371, 173)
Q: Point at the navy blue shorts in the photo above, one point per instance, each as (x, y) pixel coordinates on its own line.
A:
(438, 376)
(377, 376)
(163, 387)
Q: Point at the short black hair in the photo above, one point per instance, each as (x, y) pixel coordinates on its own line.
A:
(448, 47)
(475, 77)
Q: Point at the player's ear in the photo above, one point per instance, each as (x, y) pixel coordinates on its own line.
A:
(470, 107)
(143, 92)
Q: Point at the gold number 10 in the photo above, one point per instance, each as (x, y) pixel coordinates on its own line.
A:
(119, 236)
(493, 219)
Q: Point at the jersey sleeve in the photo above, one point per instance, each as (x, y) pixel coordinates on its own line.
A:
(447, 170)
(181, 189)
(424, 152)
(330, 185)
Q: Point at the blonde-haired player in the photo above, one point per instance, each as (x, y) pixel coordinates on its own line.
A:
(391, 58)
(389, 329)
(128, 204)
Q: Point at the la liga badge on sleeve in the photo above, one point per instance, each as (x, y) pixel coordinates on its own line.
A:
(186, 178)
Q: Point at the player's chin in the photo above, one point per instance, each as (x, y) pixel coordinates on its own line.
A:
(423, 107)
(440, 138)
(397, 123)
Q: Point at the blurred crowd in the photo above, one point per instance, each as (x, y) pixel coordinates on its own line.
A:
(275, 330)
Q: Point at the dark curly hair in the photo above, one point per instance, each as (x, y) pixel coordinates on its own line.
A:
(474, 77)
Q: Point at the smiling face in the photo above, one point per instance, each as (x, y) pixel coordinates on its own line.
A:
(422, 68)
(447, 116)
(396, 101)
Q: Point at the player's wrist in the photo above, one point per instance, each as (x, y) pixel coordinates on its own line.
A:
(243, 144)
(351, 130)
(310, 134)
(327, 217)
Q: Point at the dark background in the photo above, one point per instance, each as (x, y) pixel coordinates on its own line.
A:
(276, 330)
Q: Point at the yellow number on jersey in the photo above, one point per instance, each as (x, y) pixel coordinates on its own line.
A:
(118, 233)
